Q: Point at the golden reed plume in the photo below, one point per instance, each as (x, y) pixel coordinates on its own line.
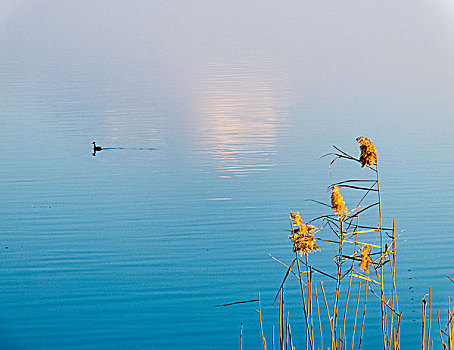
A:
(368, 153)
(303, 235)
(337, 202)
(365, 259)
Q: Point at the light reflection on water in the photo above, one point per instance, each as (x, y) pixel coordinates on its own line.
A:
(241, 106)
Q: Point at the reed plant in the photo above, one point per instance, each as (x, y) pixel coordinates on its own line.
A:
(365, 259)
(446, 331)
(364, 270)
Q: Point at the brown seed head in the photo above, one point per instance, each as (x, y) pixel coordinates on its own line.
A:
(303, 239)
(296, 219)
(304, 243)
(365, 259)
(337, 202)
(368, 153)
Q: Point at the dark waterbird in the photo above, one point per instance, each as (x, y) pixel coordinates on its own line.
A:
(96, 148)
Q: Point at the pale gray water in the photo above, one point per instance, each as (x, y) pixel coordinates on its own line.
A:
(214, 117)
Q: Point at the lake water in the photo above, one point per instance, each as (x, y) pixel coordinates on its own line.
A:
(213, 120)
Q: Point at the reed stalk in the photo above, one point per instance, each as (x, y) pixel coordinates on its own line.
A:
(338, 278)
(241, 337)
(329, 317)
(261, 325)
(304, 302)
(286, 333)
(382, 282)
(430, 315)
(319, 320)
(281, 320)
(441, 332)
(309, 293)
(290, 336)
(356, 314)
(364, 316)
(423, 323)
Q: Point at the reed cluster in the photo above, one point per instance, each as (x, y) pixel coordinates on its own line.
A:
(365, 260)
(446, 331)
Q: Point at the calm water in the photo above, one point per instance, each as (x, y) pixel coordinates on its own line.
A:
(211, 138)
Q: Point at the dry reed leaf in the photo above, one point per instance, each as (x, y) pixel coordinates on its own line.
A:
(363, 231)
(365, 278)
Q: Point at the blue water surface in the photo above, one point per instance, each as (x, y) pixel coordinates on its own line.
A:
(211, 136)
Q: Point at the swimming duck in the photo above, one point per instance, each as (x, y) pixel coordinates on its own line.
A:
(96, 148)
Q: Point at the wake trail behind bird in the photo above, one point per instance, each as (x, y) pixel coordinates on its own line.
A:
(131, 148)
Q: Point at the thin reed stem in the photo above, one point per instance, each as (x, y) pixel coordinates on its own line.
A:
(382, 283)
(309, 297)
(319, 320)
(338, 279)
(441, 332)
(394, 302)
(281, 320)
(304, 301)
(329, 317)
(261, 325)
(356, 314)
(241, 337)
(364, 316)
(290, 336)
(346, 306)
(430, 315)
(423, 324)
(286, 333)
